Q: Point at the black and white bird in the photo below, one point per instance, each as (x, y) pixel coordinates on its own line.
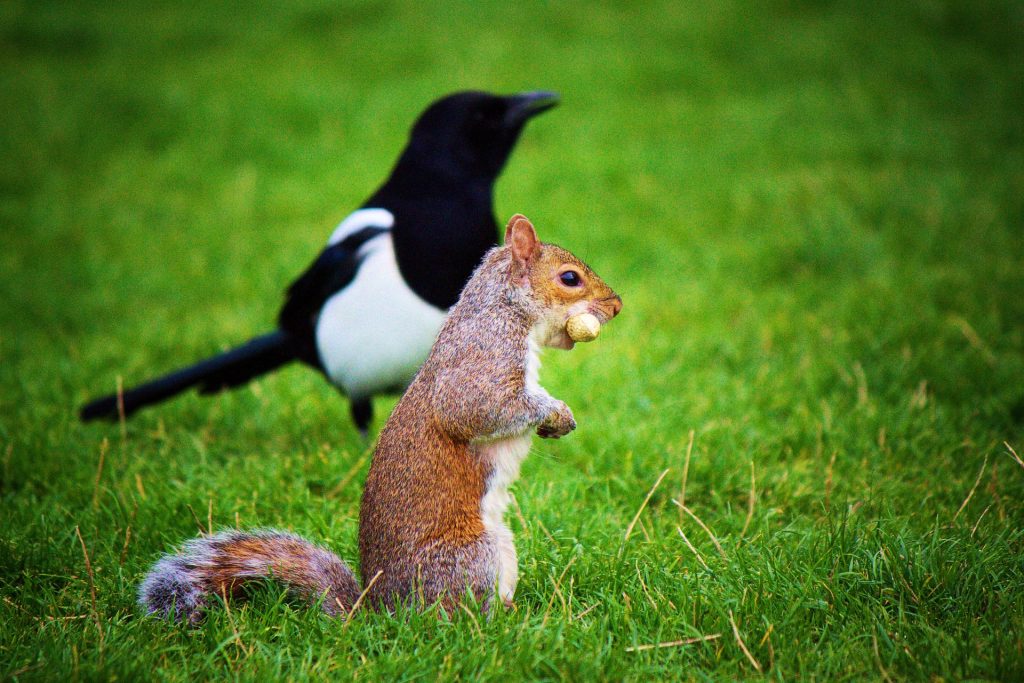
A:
(366, 312)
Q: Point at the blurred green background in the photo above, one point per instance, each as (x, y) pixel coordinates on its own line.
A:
(813, 212)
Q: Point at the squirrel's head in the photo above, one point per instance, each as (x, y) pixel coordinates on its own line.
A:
(559, 283)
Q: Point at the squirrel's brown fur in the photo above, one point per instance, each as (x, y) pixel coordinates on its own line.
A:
(431, 522)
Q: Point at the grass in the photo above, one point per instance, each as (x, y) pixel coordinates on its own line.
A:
(813, 211)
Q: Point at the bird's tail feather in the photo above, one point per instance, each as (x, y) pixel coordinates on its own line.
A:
(181, 586)
(229, 369)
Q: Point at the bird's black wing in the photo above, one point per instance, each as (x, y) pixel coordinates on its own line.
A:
(332, 271)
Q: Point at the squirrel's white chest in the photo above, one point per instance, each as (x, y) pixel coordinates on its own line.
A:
(505, 457)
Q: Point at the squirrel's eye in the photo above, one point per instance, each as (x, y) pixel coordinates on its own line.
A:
(571, 278)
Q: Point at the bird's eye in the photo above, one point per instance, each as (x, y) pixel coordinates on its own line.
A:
(571, 278)
(490, 113)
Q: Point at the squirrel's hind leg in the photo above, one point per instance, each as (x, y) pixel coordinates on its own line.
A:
(452, 574)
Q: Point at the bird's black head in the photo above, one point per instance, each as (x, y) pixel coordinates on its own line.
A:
(471, 134)
(441, 190)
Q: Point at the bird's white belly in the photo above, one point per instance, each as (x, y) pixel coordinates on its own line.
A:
(374, 334)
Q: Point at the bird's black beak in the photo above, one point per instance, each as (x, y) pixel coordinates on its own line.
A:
(526, 105)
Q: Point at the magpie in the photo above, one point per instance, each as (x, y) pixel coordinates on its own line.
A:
(367, 310)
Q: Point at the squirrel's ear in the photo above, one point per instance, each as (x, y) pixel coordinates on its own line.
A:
(522, 238)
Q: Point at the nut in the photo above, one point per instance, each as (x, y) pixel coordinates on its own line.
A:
(583, 327)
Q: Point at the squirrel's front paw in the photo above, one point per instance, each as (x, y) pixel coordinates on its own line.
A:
(559, 422)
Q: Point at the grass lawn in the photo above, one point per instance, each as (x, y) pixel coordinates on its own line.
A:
(814, 212)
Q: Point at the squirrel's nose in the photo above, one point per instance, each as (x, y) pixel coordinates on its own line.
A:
(616, 302)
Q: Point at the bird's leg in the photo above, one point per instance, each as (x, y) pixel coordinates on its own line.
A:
(362, 415)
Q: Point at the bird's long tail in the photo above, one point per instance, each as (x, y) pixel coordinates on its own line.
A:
(229, 369)
(181, 586)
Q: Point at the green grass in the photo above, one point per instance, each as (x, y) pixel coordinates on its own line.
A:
(813, 211)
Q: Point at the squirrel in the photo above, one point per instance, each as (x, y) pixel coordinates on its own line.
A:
(431, 522)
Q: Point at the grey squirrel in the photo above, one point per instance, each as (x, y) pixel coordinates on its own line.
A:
(431, 522)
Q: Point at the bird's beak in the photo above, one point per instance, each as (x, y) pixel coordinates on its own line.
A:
(525, 106)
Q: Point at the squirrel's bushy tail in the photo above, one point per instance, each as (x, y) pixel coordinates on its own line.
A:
(180, 586)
